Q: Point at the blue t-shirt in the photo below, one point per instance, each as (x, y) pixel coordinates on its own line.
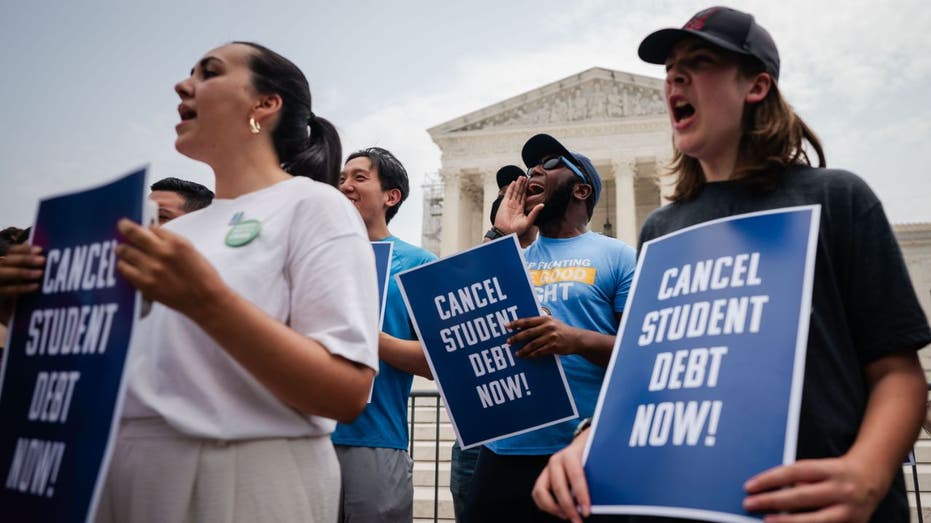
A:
(383, 423)
(583, 281)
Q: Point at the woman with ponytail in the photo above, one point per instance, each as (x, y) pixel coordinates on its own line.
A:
(263, 332)
(306, 144)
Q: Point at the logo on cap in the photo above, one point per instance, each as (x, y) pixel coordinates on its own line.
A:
(698, 21)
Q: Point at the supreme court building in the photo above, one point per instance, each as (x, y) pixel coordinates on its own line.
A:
(619, 121)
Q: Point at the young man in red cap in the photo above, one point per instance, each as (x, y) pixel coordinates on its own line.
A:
(741, 148)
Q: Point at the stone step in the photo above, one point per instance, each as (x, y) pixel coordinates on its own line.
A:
(424, 475)
(427, 432)
(426, 412)
(423, 384)
(923, 450)
(426, 451)
(423, 503)
(925, 506)
(924, 477)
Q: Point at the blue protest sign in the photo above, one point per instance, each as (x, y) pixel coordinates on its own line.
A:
(382, 268)
(460, 306)
(62, 374)
(704, 387)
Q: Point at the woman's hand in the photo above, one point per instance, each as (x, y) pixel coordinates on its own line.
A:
(561, 488)
(20, 272)
(166, 268)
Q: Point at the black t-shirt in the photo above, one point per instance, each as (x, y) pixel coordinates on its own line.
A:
(863, 303)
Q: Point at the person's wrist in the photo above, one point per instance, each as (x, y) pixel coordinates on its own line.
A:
(494, 233)
(583, 425)
(210, 309)
(879, 473)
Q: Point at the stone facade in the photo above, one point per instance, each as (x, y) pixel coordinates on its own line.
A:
(915, 241)
(617, 119)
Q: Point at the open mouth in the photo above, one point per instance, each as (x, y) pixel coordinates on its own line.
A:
(186, 113)
(681, 110)
(534, 189)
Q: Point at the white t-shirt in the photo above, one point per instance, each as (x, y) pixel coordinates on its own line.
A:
(311, 267)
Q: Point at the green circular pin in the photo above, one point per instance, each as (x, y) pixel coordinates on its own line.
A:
(243, 233)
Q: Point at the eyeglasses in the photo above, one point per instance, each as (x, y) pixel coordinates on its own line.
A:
(552, 163)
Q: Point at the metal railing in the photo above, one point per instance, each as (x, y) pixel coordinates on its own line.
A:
(435, 396)
(913, 462)
(914, 465)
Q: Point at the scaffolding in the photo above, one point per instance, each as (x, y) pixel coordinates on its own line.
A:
(432, 229)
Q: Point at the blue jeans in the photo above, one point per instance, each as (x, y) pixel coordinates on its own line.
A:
(462, 466)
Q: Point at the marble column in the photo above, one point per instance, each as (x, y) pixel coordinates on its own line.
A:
(452, 190)
(625, 213)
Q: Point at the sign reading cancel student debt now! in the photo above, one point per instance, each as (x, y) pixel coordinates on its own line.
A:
(382, 270)
(62, 375)
(460, 306)
(704, 386)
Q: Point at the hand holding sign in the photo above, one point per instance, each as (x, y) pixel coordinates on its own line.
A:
(561, 488)
(543, 335)
(69, 338)
(166, 268)
(843, 488)
(20, 272)
(714, 334)
(462, 307)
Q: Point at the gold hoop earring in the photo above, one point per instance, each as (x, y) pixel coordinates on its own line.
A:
(254, 126)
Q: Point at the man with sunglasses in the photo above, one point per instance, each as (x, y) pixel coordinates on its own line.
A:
(582, 278)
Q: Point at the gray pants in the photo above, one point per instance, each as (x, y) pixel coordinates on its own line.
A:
(377, 485)
(160, 476)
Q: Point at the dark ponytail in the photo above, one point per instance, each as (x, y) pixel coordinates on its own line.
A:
(321, 159)
(307, 145)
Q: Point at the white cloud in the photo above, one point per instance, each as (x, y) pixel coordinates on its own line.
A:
(855, 71)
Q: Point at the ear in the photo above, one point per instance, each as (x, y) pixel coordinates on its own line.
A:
(266, 107)
(582, 191)
(392, 197)
(759, 87)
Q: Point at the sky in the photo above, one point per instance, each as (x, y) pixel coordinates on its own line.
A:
(89, 95)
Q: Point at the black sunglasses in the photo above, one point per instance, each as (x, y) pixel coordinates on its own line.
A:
(555, 161)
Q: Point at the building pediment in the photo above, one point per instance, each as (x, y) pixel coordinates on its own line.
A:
(594, 95)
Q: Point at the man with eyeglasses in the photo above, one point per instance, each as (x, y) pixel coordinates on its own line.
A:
(582, 278)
